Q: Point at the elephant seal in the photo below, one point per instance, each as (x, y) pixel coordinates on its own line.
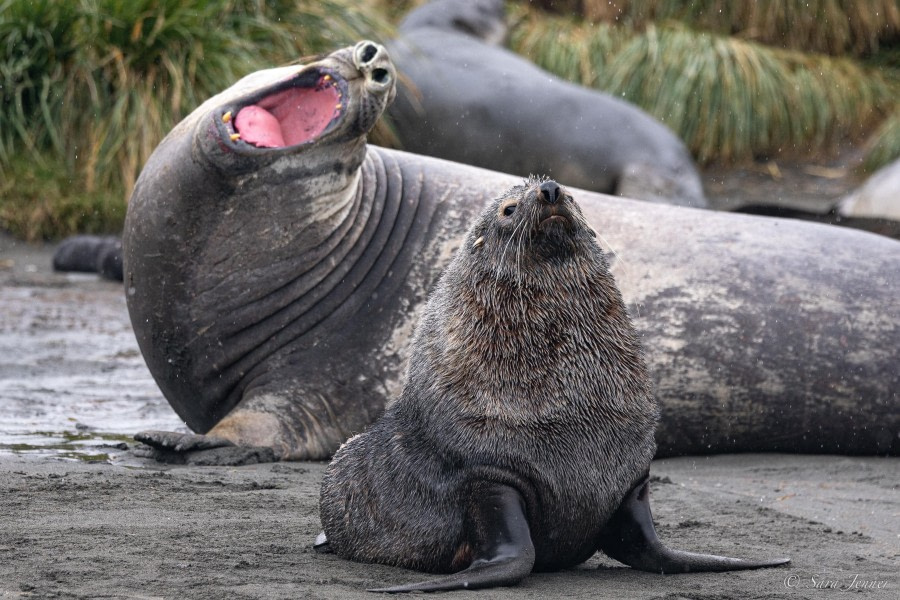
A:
(464, 98)
(523, 437)
(274, 291)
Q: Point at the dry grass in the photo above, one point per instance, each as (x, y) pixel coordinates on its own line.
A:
(833, 27)
(884, 145)
(730, 99)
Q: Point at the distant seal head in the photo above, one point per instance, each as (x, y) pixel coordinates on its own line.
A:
(523, 437)
(482, 19)
(90, 254)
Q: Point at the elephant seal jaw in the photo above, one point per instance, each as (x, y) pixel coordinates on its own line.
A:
(285, 111)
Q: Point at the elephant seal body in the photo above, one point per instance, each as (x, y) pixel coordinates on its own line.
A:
(527, 403)
(463, 98)
(274, 291)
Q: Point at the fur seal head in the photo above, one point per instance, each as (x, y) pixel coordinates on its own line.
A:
(527, 305)
(535, 221)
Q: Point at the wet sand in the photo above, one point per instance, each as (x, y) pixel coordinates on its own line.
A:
(81, 516)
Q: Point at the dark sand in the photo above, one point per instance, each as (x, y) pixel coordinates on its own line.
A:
(82, 517)
(79, 530)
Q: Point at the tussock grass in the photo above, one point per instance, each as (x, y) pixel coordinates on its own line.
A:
(833, 27)
(728, 98)
(884, 145)
(89, 87)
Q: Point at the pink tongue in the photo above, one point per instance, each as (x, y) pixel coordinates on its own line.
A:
(259, 127)
(289, 117)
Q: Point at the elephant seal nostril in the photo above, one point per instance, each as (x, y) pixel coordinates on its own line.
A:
(368, 53)
(381, 76)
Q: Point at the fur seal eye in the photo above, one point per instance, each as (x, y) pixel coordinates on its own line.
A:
(508, 207)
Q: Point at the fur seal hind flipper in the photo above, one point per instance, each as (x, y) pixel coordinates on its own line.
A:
(499, 535)
(630, 537)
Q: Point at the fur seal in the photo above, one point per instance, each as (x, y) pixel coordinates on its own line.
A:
(464, 97)
(523, 438)
(274, 291)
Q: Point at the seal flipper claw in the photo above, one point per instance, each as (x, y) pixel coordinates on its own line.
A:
(180, 442)
(630, 537)
(504, 553)
(206, 450)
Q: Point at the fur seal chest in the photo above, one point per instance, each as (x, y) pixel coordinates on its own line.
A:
(523, 437)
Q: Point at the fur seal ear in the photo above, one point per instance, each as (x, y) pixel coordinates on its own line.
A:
(478, 243)
(630, 537)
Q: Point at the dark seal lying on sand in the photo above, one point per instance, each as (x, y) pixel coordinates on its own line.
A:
(523, 438)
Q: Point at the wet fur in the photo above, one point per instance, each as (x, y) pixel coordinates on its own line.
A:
(526, 371)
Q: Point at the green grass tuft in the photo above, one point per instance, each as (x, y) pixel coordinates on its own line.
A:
(884, 145)
(90, 87)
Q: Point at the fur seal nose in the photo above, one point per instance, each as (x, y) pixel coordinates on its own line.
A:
(550, 192)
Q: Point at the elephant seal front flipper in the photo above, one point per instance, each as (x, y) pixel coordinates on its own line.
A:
(630, 538)
(193, 449)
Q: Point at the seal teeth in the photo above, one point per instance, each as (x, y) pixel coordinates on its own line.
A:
(226, 118)
(235, 137)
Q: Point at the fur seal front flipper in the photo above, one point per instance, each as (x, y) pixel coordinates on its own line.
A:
(504, 553)
(630, 538)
